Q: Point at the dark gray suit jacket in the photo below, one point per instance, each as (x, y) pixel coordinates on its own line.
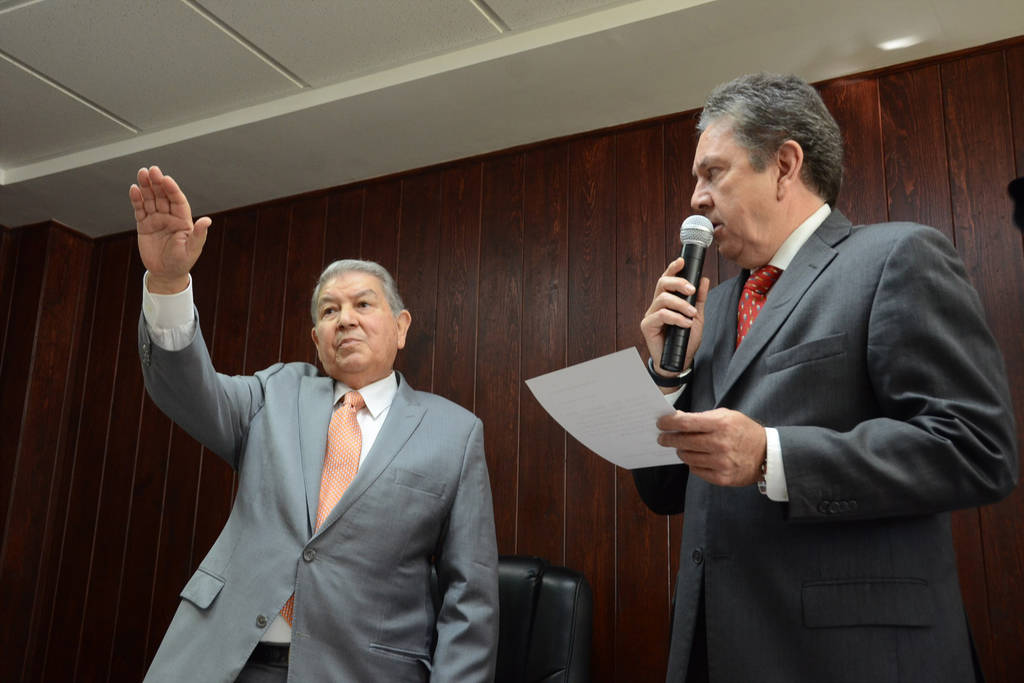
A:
(873, 360)
(366, 608)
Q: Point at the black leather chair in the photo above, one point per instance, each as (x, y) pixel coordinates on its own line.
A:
(546, 622)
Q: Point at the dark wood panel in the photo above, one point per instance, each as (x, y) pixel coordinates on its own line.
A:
(381, 212)
(854, 104)
(84, 292)
(73, 583)
(914, 140)
(116, 492)
(266, 300)
(642, 549)
(1015, 77)
(14, 374)
(417, 272)
(498, 369)
(458, 272)
(10, 245)
(590, 481)
(343, 233)
(978, 125)
(35, 518)
(305, 254)
(541, 480)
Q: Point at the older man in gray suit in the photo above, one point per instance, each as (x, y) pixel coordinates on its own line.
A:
(360, 546)
(826, 427)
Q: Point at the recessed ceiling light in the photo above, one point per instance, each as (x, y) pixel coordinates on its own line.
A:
(899, 43)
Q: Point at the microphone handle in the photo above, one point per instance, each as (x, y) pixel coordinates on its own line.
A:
(676, 338)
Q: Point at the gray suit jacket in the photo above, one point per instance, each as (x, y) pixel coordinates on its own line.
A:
(367, 607)
(873, 360)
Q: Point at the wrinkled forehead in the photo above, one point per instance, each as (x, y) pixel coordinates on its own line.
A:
(350, 285)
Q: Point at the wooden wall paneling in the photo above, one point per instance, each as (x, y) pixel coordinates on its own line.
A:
(305, 253)
(642, 568)
(914, 140)
(854, 104)
(499, 337)
(14, 373)
(417, 274)
(213, 496)
(266, 300)
(680, 146)
(42, 618)
(89, 455)
(10, 244)
(116, 490)
(975, 98)
(381, 215)
(34, 516)
(590, 481)
(135, 599)
(541, 501)
(344, 225)
(458, 273)
(1015, 79)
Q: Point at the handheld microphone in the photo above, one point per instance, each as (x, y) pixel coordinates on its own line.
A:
(696, 234)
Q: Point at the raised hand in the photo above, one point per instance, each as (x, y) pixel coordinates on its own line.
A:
(169, 242)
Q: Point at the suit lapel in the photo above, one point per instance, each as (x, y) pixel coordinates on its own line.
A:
(316, 401)
(808, 264)
(403, 418)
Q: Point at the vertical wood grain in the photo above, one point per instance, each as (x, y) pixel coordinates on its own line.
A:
(500, 306)
(381, 215)
(542, 478)
(458, 271)
(305, 253)
(417, 275)
(590, 481)
(642, 598)
(854, 104)
(344, 225)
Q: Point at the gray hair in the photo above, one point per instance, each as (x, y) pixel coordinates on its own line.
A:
(766, 110)
(339, 268)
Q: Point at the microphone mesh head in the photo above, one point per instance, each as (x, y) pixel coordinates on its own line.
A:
(697, 230)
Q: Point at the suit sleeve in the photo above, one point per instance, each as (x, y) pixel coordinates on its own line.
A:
(663, 488)
(214, 409)
(939, 434)
(467, 570)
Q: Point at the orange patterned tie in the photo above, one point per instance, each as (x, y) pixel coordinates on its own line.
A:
(341, 461)
(755, 290)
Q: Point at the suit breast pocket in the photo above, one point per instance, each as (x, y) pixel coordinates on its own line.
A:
(419, 482)
(807, 352)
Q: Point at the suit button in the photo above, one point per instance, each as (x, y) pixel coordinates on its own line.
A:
(853, 506)
(844, 506)
(309, 554)
(833, 507)
(823, 507)
(261, 621)
(697, 556)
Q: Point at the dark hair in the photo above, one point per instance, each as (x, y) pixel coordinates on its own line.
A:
(766, 110)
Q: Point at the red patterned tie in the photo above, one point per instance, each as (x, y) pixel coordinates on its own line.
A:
(341, 461)
(754, 293)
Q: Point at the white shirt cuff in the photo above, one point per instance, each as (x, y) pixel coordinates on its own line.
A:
(774, 473)
(170, 318)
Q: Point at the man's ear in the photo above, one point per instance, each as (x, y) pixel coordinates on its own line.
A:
(316, 341)
(790, 161)
(402, 321)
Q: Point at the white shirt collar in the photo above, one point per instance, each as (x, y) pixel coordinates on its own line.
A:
(784, 256)
(377, 395)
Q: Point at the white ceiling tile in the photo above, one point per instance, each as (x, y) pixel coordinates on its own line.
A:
(327, 41)
(153, 64)
(42, 121)
(521, 14)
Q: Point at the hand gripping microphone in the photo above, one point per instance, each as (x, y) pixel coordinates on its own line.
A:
(696, 234)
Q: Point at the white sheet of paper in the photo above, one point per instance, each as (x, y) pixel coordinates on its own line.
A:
(610, 405)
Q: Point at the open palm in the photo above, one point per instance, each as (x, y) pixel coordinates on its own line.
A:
(169, 242)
